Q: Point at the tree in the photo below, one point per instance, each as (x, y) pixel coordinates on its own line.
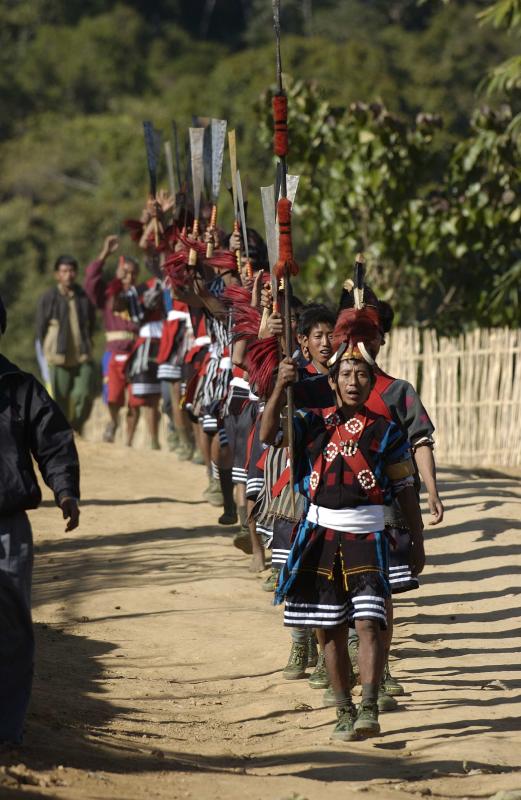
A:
(440, 229)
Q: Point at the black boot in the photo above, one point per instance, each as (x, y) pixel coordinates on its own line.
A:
(230, 509)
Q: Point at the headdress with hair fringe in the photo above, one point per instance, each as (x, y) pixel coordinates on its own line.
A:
(355, 328)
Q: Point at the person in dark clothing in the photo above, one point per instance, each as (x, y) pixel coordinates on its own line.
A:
(65, 320)
(31, 426)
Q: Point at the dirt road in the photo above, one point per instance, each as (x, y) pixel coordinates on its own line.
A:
(159, 657)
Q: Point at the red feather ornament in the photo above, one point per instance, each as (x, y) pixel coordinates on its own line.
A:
(176, 271)
(262, 362)
(135, 228)
(245, 319)
(221, 259)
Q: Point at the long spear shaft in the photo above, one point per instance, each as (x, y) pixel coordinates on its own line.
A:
(288, 336)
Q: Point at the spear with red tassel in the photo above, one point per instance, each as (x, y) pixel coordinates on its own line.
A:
(286, 265)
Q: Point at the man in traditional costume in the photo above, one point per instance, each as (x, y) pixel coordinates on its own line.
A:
(398, 401)
(350, 463)
(118, 301)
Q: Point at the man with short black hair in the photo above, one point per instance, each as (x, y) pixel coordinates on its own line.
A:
(64, 328)
(31, 427)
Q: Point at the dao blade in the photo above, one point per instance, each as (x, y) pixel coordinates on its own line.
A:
(242, 212)
(232, 148)
(292, 186)
(153, 146)
(196, 155)
(270, 224)
(218, 142)
(170, 168)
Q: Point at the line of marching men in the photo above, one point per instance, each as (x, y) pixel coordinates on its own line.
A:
(208, 326)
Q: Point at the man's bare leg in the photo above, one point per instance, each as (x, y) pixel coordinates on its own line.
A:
(132, 421)
(152, 417)
(112, 426)
(258, 563)
(181, 423)
(333, 642)
(371, 664)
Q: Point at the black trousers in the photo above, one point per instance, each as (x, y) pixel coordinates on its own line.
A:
(16, 628)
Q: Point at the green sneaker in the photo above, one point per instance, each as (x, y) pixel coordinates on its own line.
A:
(385, 701)
(366, 723)
(213, 494)
(312, 650)
(319, 679)
(172, 437)
(352, 649)
(391, 685)
(328, 698)
(197, 457)
(297, 662)
(344, 730)
(109, 434)
(270, 584)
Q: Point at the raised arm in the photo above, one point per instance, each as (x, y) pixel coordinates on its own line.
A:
(94, 285)
(270, 421)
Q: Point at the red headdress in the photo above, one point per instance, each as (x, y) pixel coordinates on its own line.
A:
(356, 327)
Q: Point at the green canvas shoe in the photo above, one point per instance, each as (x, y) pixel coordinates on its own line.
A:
(312, 650)
(391, 685)
(213, 494)
(270, 584)
(352, 649)
(344, 730)
(328, 698)
(319, 679)
(297, 662)
(366, 723)
(385, 701)
(197, 457)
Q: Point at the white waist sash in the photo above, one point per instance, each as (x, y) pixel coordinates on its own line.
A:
(175, 314)
(240, 382)
(362, 519)
(199, 341)
(151, 330)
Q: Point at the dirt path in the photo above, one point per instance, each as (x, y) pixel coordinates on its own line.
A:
(159, 657)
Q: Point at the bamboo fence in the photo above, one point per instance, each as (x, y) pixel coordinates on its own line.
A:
(471, 387)
(469, 384)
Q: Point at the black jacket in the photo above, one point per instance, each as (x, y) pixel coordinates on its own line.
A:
(32, 424)
(53, 305)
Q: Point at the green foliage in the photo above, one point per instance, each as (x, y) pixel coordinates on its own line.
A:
(505, 77)
(78, 78)
(440, 229)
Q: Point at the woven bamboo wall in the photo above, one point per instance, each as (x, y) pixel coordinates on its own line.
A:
(469, 384)
(471, 388)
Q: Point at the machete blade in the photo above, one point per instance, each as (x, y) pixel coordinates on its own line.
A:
(218, 133)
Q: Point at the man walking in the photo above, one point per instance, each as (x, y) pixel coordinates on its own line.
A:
(31, 426)
(64, 327)
(119, 303)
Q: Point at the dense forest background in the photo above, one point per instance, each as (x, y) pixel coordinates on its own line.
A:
(406, 140)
